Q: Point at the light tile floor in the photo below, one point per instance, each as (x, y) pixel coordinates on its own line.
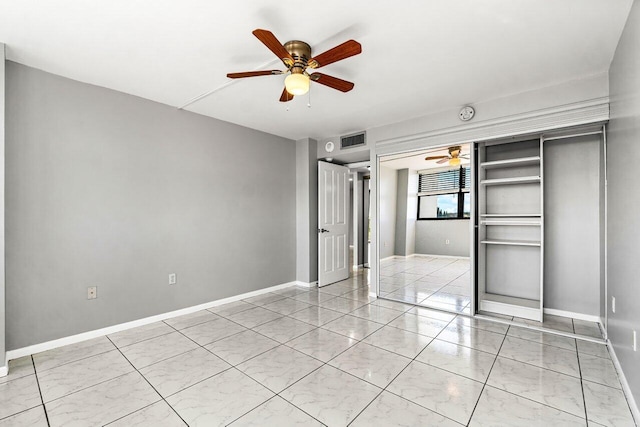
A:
(445, 283)
(313, 357)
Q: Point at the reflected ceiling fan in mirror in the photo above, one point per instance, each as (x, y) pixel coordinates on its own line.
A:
(455, 154)
(296, 56)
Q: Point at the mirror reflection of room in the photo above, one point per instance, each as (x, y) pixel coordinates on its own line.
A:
(425, 234)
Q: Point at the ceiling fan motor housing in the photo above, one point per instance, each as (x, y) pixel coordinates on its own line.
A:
(301, 53)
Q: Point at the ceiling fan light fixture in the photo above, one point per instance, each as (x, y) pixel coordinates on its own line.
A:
(297, 84)
(454, 161)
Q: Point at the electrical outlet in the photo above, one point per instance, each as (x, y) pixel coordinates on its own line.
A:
(173, 278)
(613, 304)
(92, 292)
(635, 341)
(446, 242)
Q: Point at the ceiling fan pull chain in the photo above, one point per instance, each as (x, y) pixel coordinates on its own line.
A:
(309, 101)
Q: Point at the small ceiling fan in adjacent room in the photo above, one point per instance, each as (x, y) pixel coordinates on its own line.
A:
(455, 154)
(296, 56)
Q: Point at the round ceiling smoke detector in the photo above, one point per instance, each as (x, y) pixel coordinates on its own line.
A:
(466, 113)
(329, 146)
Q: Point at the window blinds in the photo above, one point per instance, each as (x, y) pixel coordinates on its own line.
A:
(442, 182)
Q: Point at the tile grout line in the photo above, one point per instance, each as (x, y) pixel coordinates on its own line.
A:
(270, 399)
(150, 385)
(323, 363)
(395, 377)
(315, 328)
(484, 385)
(523, 397)
(288, 346)
(584, 400)
(362, 340)
(537, 366)
(72, 361)
(137, 342)
(44, 408)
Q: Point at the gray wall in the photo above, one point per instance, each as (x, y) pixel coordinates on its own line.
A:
(367, 197)
(306, 211)
(2, 207)
(351, 217)
(110, 190)
(431, 237)
(388, 200)
(402, 190)
(412, 211)
(572, 201)
(406, 212)
(623, 158)
(359, 184)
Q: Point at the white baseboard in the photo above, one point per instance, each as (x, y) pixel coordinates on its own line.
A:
(307, 285)
(73, 339)
(625, 385)
(373, 295)
(424, 256)
(509, 309)
(579, 316)
(398, 257)
(441, 256)
(4, 371)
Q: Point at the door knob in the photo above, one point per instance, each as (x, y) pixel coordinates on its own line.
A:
(322, 230)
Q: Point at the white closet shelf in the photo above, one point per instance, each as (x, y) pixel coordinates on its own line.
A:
(511, 242)
(512, 306)
(495, 222)
(510, 215)
(514, 180)
(522, 161)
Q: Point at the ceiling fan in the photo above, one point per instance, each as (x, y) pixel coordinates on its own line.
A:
(296, 56)
(455, 154)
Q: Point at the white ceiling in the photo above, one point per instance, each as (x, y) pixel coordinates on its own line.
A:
(418, 56)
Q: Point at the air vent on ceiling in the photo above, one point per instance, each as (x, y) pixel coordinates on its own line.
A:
(356, 140)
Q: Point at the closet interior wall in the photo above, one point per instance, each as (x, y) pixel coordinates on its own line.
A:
(540, 225)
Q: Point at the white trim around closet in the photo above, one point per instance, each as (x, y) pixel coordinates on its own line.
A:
(564, 116)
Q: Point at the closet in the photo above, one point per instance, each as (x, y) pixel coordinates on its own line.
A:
(539, 227)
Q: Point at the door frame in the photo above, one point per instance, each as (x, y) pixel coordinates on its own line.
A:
(336, 170)
(357, 207)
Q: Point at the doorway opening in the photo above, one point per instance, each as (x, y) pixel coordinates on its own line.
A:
(360, 218)
(344, 235)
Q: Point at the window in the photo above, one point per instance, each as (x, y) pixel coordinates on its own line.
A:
(445, 194)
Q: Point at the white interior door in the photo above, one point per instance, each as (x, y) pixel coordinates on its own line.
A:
(333, 228)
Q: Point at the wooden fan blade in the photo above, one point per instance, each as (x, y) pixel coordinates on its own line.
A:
(332, 82)
(436, 157)
(446, 159)
(270, 41)
(345, 50)
(286, 96)
(253, 74)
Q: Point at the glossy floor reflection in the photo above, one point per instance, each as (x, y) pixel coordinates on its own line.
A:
(444, 283)
(311, 357)
(435, 282)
